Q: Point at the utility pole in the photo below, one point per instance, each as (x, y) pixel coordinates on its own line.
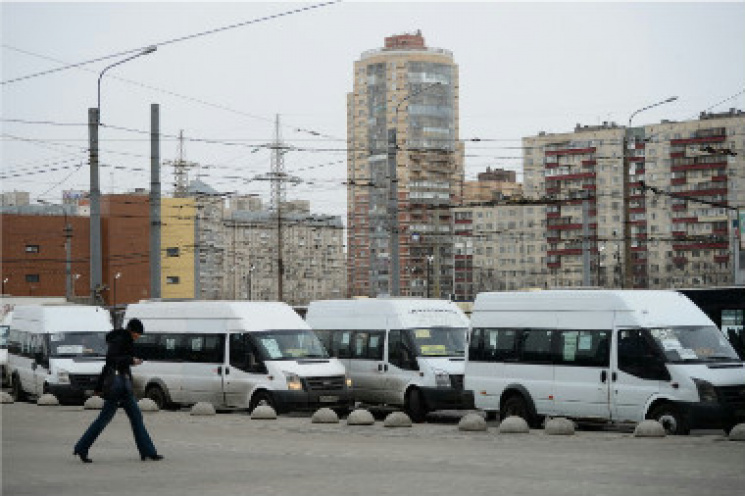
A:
(155, 201)
(586, 276)
(95, 199)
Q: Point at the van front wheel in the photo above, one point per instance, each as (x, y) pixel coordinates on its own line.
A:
(158, 396)
(416, 407)
(259, 398)
(671, 419)
(16, 389)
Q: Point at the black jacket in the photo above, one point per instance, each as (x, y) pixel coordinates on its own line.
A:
(119, 356)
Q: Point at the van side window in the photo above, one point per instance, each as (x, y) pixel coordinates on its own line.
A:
(325, 338)
(368, 345)
(638, 357)
(535, 346)
(375, 345)
(147, 347)
(589, 348)
(341, 344)
(474, 346)
(400, 352)
(205, 348)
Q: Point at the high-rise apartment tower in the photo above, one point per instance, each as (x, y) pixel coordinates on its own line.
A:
(412, 89)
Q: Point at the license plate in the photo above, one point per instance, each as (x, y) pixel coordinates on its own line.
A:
(328, 399)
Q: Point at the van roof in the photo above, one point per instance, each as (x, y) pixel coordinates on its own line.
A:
(254, 316)
(665, 307)
(61, 318)
(376, 312)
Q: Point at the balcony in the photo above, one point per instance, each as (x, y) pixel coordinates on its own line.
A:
(693, 141)
(571, 151)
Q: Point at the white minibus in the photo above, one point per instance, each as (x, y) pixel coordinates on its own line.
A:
(57, 349)
(401, 352)
(603, 355)
(234, 355)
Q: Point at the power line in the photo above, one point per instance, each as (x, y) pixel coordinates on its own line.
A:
(174, 40)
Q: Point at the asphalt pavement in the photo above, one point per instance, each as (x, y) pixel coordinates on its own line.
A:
(231, 454)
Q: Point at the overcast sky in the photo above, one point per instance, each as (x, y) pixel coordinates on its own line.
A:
(524, 68)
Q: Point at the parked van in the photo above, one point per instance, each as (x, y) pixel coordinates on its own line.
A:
(57, 349)
(621, 356)
(408, 353)
(234, 355)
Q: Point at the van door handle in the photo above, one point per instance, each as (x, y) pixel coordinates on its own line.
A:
(219, 370)
(603, 376)
(382, 367)
(614, 377)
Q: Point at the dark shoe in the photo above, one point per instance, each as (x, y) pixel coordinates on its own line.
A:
(154, 458)
(83, 457)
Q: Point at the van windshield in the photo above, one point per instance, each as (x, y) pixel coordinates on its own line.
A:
(4, 331)
(693, 343)
(289, 344)
(69, 344)
(439, 341)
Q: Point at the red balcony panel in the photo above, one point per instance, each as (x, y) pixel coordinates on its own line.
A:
(567, 251)
(677, 154)
(551, 165)
(721, 258)
(571, 151)
(678, 180)
(686, 220)
(691, 141)
(714, 165)
(678, 208)
(638, 210)
(700, 246)
(554, 265)
(703, 192)
(590, 187)
(589, 162)
(635, 159)
(552, 215)
(464, 221)
(680, 260)
(719, 179)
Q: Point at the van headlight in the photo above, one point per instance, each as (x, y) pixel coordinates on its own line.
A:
(348, 380)
(293, 381)
(706, 391)
(63, 376)
(442, 379)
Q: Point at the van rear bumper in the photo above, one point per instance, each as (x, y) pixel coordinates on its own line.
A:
(447, 398)
(712, 415)
(289, 401)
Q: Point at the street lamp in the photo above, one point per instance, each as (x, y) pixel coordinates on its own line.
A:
(5, 281)
(116, 277)
(68, 249)
(393, 194)
(94, 122)
(628, 268)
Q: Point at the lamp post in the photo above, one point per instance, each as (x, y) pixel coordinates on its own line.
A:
(116, 277)
(5, 281)
(94, 122)
(393, 194)
(628, 268)
(68, 250)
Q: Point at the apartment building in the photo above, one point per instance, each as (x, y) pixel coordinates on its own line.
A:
(685, 180)
(405, 168)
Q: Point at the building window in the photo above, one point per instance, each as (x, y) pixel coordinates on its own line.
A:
(172, 252)
(32, 277)
(172, 280)
(32, 249)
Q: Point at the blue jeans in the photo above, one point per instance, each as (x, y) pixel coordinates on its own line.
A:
(122, 396)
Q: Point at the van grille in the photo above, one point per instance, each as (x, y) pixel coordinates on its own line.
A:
(334, 383)
(83, 381)
(456, 380)
(732, 395)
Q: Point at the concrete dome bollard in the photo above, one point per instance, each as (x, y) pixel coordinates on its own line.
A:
(397, 419)
(472, 422)
(649, 428)
(148, 405)
(6, 398)
(203, 409)
(737, 433)
(47, 400)
(264, 412)
(360, 417)
(93, 403)
(325, 416)
(560, 426)
(513, 425)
